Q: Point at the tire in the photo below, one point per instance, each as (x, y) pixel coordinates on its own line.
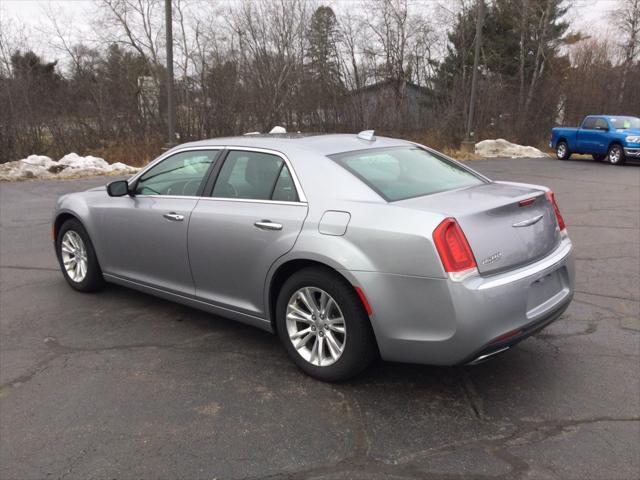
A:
(71, 242)
(562, 150)
(598, 157)
(615, 156)
(358, 341)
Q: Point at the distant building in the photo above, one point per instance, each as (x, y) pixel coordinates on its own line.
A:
(390, 105)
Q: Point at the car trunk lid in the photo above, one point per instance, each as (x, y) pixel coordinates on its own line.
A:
(507, 225)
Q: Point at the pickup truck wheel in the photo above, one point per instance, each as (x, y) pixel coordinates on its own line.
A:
(598, 158)
(616, 155)
(562, 151)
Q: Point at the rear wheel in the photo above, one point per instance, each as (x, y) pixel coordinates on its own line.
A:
(598, 157)
(77, 257)
(616, 155)
(562, 150)
(323, 325)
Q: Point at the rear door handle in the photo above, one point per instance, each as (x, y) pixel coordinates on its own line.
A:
(268, 225)
(174, 217)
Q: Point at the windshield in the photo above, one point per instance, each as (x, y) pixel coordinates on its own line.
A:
(624, 123)
(399, 173)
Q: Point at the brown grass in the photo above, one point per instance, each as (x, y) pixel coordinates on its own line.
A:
(134, 153)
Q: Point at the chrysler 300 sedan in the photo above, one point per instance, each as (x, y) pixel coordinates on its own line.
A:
(348, 247)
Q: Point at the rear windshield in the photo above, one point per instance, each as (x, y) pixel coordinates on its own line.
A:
(399, 173)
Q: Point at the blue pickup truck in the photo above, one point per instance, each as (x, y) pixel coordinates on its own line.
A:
(611, 137)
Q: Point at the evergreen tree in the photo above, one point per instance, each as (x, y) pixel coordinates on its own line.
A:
(323, 84)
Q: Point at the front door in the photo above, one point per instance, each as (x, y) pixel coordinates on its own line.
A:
(144, 237)
(253, 217)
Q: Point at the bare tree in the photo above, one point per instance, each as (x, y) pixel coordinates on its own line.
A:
(627, 17)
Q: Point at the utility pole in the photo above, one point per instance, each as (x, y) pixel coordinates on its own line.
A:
(171, 99)
(474, 79)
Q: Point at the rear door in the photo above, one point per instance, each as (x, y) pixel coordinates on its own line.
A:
(600, 137)
(253, 216)
(586, 135)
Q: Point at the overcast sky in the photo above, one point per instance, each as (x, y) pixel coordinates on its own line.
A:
(589, 16)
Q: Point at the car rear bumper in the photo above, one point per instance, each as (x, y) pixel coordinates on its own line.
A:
(441, 322)
(632, 152)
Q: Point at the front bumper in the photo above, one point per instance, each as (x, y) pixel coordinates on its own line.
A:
(440, 322)
(632, 152)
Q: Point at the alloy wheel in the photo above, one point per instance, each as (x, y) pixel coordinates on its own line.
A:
(615, 155)
(316, 326)
(74, 256)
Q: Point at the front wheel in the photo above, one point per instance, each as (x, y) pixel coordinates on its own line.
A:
(77, 257)
(323, 325)
(616, 155)
(562, 150)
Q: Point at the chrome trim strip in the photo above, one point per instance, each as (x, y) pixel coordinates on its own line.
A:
(558, 256)
(250, 200)
(222, 199)
(529, 222)
(294, 176)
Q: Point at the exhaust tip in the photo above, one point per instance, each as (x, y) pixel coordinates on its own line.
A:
(486, 356)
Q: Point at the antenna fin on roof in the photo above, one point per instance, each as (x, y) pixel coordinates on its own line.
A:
(367, 135)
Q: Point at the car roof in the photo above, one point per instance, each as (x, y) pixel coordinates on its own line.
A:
(324, 144)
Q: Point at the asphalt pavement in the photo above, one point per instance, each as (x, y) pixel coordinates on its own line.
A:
(124, 385)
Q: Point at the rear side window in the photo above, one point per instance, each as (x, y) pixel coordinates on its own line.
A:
(404, 172)
(589, 123)
(254, 176)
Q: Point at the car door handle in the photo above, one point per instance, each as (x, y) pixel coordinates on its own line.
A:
(174, 217)
(268, 225)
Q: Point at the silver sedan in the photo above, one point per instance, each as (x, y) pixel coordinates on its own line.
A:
(348, 247)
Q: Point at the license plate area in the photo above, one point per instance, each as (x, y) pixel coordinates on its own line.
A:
(546, 292)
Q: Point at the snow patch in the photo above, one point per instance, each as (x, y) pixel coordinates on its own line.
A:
(69, 166)
(503, 148)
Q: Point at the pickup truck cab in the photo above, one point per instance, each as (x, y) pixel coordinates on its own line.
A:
(611, 137)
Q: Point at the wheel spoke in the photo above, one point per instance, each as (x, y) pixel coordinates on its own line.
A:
(294, 309)
(337, 328)
(321, 356)
(334, 348)
(304, 296)
(303, 342)
(324, 301)
(300, 333)
(314, 351)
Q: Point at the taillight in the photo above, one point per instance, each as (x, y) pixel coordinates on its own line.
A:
(552, 200)
(454, 250)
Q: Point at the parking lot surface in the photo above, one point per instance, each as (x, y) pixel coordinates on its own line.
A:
(123, 385)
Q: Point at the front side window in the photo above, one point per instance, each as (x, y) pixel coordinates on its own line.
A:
(181, 174)
(601, 124)
(399, 173)
(254, 176)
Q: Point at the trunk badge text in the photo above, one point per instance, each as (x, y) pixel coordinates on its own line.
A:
(493, 258)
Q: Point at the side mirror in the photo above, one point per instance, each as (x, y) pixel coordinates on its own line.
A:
(119, 188)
